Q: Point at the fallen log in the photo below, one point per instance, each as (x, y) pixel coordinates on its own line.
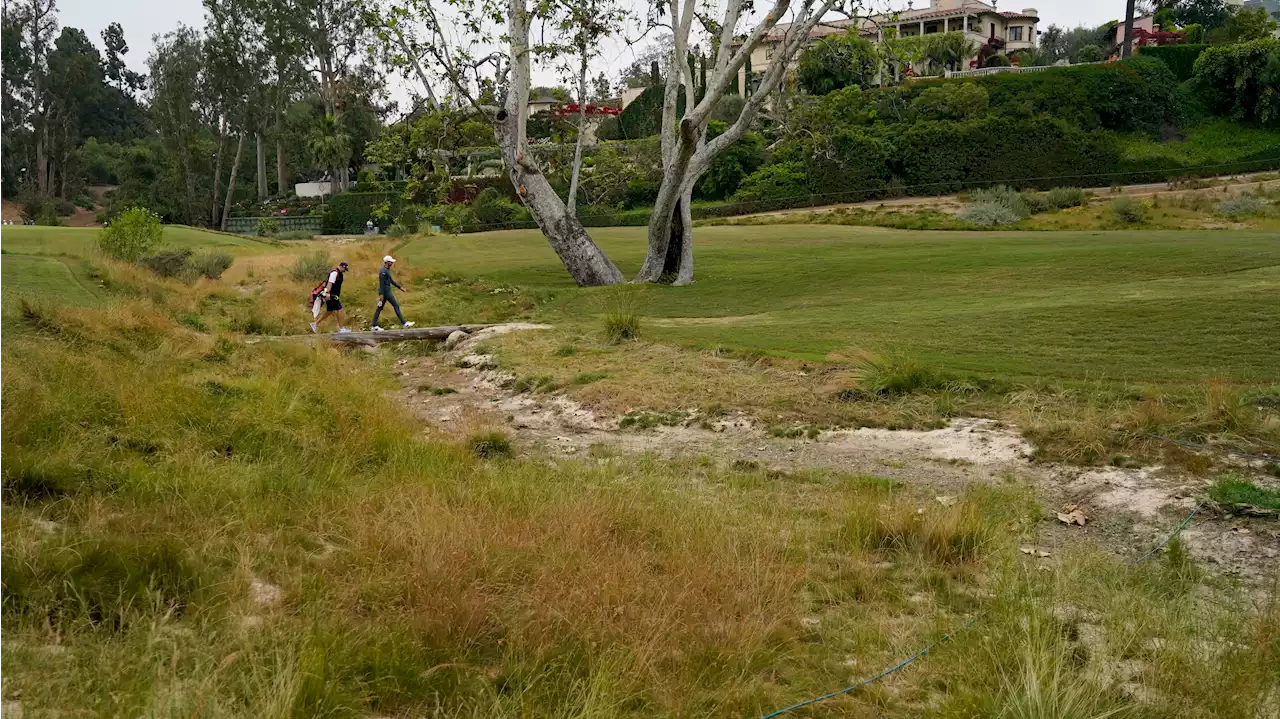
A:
(372, 339)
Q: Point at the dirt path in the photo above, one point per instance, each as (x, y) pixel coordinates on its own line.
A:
(952, 204)
(456, 392)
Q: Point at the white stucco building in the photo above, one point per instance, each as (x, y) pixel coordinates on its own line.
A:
(981, 22)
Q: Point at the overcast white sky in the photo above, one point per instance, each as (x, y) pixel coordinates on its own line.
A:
(142, 19)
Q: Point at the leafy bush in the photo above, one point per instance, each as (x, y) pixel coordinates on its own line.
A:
(1090, 53)
(1061, 197)
(268, 226)
(1128, 211)
(1242, 80)
(64, 207)
(453, 219)
(398, 230)
(785, 179)
(730, 167)
(491, 208)
(48, 217)
(132, 234)
(34, 205)
(1243, 206)
(1036, 202)
(1181, 59)
(295, 235)
(348, 212)
(167, 264)
(409, 219)
(311, 267)
(953, 101)
(1006, 196)
(997, 60)
(211, 264)
(836, 62)
(988, 213)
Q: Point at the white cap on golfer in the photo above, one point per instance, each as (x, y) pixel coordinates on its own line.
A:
(388, 258)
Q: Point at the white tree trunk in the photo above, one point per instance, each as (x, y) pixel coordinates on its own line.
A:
(685, 155)
(582, 137)
(581, 257)
(231, 183)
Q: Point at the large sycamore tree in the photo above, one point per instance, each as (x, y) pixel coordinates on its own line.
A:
(480, 52)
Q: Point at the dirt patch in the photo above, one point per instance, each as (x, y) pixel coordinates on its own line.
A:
(456, 392)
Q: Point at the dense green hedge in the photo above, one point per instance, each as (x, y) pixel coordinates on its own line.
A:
(348, 212)
(934, 158)
(1181, 59)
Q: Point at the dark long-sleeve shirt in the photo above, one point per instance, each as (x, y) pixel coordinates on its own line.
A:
(385, 282)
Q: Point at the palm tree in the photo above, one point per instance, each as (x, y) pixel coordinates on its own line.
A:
(949, 50)
(330, 147)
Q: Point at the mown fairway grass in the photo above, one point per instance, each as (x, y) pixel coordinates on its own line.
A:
(1136, 306)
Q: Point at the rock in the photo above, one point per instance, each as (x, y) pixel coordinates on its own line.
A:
(454, 338)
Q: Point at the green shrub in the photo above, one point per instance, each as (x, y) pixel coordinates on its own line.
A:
(311, 267)
(167, 264)
(490, 445)
(452, 219)
(33, 205)
(409, 219)
(1181, 59)
(1036, 202)
(1062, 197)
(951, 101)
(398, 230)
(64, 207)
(1128, 211)
(132, 233)
(294, 235)
(1243, 206)
(348, 212)
(1090, 53)
(986, 214)
(48, 217)
(1242, 80)
(268, 226)
(897, 374)
(836, 62)
(997, 60)
(1006, 196)
(732, 166)
(211, 265)
(492, 209)
(785, 179)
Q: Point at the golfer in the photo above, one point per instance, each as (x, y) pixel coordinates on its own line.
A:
(385, 296)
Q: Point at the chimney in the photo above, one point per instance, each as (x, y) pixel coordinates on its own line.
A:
(1030, 11)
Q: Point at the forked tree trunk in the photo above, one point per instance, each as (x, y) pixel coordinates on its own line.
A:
(685, 152)
(231, 183)
(581, 257)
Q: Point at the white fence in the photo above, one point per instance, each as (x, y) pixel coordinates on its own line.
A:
(995, 70)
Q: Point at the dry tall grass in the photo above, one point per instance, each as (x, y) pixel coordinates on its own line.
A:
(199, 526)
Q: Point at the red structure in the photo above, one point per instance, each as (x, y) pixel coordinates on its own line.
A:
(573, 108)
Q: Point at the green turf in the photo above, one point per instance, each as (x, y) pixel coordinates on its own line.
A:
(32, 240)
(1140, 306)
(50, 279)
(1231, 491)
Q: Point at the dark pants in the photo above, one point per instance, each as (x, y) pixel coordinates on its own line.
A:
(391, 300)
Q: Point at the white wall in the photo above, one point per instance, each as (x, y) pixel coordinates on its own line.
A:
(311, 189)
